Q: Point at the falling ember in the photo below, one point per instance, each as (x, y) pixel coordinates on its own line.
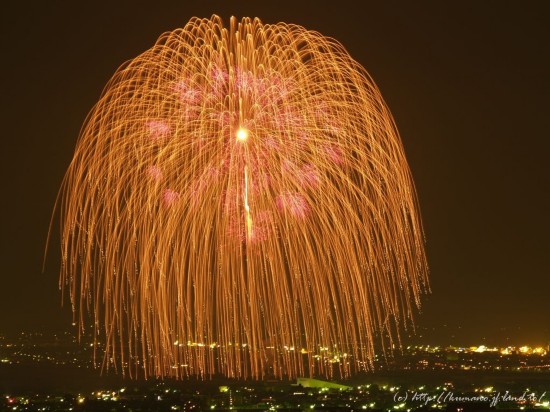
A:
(246, 205)
(241, 184)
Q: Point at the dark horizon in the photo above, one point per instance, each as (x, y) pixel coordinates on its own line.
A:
(468, 87)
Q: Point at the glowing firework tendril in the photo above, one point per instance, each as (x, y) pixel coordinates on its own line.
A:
(239, 199)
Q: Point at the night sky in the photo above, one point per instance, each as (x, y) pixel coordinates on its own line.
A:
(468, 83)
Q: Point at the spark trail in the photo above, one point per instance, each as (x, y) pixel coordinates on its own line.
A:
(239, 201)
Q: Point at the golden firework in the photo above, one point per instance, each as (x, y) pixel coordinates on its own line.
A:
(239, 202)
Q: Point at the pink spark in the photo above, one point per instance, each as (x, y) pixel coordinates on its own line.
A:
(199, 185)
(261, 86)
(260, 183)
(334, 153)
(323, 112)
(309, 176)
(271, 143)
(288, 166)
(169, 197)
(289, 119)
(155, 173)
(281, 87)
(294, 203)
(261, 227)
(187, 93)
(244, 80)
(334, 128)
(219, 75)
(226, 118)
(158, 129)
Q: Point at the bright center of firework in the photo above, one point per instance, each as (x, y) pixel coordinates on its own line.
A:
(242, 134)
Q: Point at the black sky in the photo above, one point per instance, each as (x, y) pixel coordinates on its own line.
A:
(468, 83)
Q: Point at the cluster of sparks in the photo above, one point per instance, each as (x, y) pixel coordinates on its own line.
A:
(242, 188)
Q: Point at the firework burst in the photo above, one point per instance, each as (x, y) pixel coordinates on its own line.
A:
(239, 202)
